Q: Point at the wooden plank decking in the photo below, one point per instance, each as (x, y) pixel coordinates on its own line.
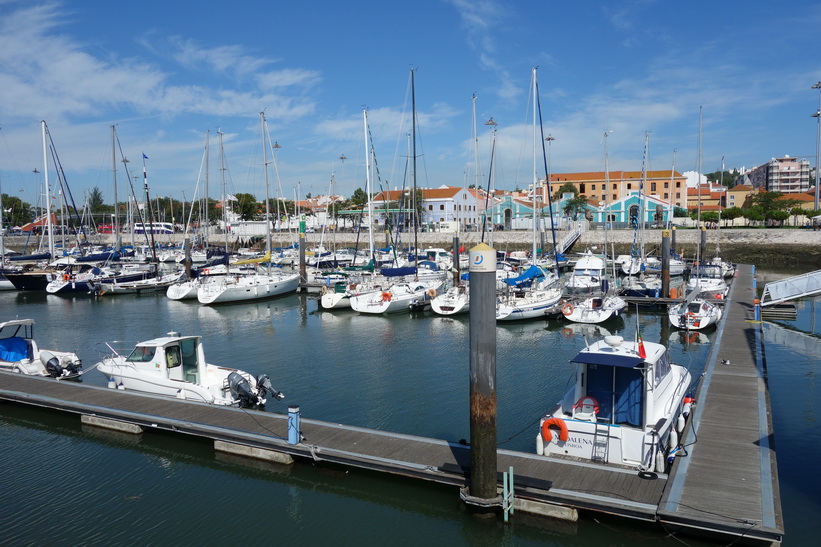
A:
(729, 481)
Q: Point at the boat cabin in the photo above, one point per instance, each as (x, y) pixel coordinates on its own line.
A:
(173, 357)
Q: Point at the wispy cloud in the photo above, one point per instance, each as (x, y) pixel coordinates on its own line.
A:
(480, 18)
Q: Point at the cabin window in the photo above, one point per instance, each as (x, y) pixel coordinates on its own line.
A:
(619, 393)
(662, 369)
(172, 356)
(142, 354)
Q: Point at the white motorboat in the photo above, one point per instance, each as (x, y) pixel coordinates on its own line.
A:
(454, 301)
(694, 314)
(627, 407)
(175, 366)
(19, 352)
(398, 298)
(594, 309)
(708, 279)
(588, 274)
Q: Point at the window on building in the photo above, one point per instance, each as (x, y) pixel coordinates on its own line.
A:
(652, 186)
(678, 195)
(593, 187)
(678, 184)
(430, 207)
(442, 207)
(581, 188)
(667, 185)
(629, 186)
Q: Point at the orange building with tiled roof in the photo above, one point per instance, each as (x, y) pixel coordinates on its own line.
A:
(664, 185)
(706, 197)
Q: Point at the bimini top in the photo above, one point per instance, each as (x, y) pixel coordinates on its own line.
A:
(613, 352)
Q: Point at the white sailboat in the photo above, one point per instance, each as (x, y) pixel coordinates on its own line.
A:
(594, 309)
(694, 313)
(538, 293)
(264, 282)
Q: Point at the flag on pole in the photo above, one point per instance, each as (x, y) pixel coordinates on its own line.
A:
(640, 343)
(144, 156)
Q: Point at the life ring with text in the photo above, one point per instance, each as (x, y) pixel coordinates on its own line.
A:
(547, 435)
(567, 309)
(386, 296)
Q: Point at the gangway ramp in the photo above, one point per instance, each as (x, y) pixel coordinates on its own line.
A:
(776, 292)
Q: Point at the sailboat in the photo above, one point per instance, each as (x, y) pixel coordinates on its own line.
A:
(263, 283)
(536, 292)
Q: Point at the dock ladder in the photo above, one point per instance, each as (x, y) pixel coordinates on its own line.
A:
(601, 442)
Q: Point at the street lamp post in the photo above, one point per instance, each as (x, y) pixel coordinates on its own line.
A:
(817, 116)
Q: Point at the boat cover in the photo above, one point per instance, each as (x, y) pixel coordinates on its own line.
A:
(608, 359)
(533, 272)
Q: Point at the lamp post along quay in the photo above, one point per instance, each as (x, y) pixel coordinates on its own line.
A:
(817, 117)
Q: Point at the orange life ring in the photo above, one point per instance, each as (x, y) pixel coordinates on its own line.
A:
(587, 399)
(564, 434)
(386, 296)
(567, 309)
(66, 277)
(432, 293)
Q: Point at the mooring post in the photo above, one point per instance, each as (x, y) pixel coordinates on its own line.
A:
(757, 304)
(702, 246)
(483, 372)
(303, 276)
(456, 254)
(294, 436)
(673, 240)
(186, 249)
(665, 263)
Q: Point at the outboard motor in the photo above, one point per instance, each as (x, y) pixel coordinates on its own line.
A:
(264, 386)
(52, 364)
(241, 389)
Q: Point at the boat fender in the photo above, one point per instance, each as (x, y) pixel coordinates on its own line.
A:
(567, 309)
(688, 406)
(661, 460)
(549, 423)
(680, 423)
(432, 293)
(539, 445)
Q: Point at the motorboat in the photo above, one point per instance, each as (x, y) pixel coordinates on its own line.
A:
(708, 279)
(594, 309)
(175, 366)
(641, 286)
(694, 314)
(589, 273)
(19, 352)
(627, 407)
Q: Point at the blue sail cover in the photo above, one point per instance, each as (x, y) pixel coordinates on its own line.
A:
(533, 272)
(396, 272)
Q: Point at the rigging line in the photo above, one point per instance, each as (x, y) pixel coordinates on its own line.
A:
(489, 177)
(547, 183)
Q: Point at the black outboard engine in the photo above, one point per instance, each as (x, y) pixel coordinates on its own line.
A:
(52, 364)
(241, 389)
(264, 386)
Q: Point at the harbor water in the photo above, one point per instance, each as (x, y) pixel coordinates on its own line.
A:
(67, 484)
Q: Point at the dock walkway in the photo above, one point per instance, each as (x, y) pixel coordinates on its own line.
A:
(729, 480)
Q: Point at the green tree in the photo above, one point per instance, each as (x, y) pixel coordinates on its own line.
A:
(574, 206)
(754, 214)
(15, 211)
(566, 188)
(359, 197)
(247, 207)
(731, 213)
(95, 201)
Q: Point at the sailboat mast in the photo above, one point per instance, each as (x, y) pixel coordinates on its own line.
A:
(607, 206)
(535, 174)
(114, 172)
(205, 205)
(368, 185)
(642, 184)
(222, 184)
(265, 176)
(48, 194)
(415, 208)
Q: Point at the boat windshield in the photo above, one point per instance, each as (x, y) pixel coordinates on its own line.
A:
(618, 391)
(142, 354)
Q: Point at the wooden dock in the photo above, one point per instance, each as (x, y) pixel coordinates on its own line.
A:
(727, 483)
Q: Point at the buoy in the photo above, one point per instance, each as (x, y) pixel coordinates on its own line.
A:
(111, 383)
(547, 435)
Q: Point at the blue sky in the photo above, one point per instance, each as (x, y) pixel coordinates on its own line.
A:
(165, 72)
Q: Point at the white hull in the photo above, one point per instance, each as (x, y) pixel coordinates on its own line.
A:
(593, 310)
(454, 301)
(185, 290)
(397, 299)
(245, 288)
(698, 315)
(533, 304)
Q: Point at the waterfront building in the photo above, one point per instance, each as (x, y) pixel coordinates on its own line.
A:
(785, 175)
